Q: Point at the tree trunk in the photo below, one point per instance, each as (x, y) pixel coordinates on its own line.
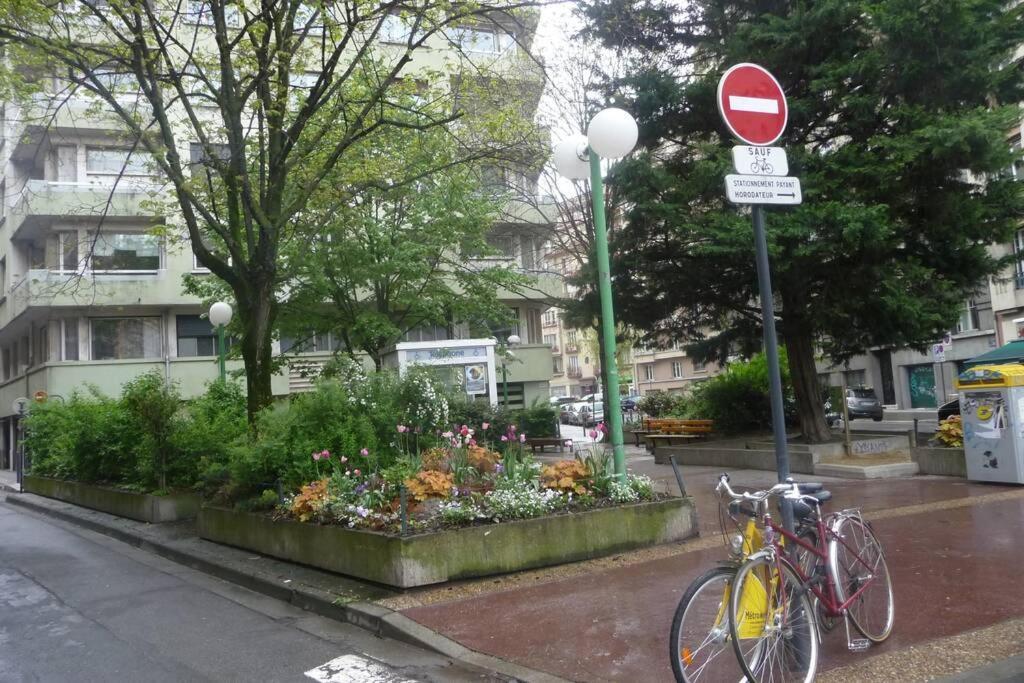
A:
(257, 313)
(804, 375)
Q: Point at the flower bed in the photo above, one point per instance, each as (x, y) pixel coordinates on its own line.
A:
(456, 553)
(144, 507)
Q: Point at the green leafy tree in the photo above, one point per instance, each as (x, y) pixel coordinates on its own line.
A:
(245, 109)
(897, 130)
(409, 246)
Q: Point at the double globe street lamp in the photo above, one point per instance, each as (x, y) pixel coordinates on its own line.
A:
(220, 315)
(612, 134)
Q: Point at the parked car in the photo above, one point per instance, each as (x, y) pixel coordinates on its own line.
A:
(590, 414)
(567, 413)
(861, 402)
(630, 402)
(949, 409)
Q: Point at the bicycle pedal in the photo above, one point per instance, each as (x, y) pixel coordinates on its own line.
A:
(858, 644)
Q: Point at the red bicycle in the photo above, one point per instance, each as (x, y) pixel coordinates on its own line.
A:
(779, 600)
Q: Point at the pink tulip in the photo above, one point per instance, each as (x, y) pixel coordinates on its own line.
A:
(464, 431)
(402, 429)
(344, 459)
(522, 438)
(512, 428)
(316, 456)
(485, 425)
(593, 433)
(325, 454)
(504, 438)
(365, 452)
(355, 472)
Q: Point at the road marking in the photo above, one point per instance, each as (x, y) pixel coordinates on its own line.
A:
(356, 669)
(758, 105)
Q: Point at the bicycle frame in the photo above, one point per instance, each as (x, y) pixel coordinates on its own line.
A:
(829, 600)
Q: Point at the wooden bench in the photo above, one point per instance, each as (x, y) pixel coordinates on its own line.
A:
(535, 442)
(686, 429)
(639, 434)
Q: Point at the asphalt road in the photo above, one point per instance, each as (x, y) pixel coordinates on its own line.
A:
(78, 606)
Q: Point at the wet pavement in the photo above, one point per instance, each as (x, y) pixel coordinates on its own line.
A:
(953, 550)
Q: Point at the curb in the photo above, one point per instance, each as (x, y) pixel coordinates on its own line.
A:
(1005, 671)
(380, 621)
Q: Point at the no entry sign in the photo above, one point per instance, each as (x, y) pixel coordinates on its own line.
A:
(752, 104)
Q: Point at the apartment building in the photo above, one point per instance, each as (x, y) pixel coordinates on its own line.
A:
(671, 370)
(91, 295)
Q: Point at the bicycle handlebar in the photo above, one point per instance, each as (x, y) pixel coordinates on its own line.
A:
(789, 490)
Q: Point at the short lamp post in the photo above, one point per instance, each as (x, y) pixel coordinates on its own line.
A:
(512, 340)
(220, 315)
(612, 134)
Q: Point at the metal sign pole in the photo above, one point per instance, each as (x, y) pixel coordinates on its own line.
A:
(771, 350)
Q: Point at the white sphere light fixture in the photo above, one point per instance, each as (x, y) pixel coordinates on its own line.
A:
(220, 314)
(612, 133)
(513, 339)
(570, 157)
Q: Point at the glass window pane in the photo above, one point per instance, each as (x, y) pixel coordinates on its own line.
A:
(116, 161)
(205, 346)
(126, 251)
(71, 339)
(69, 251)
(118, 338)
(188, 347)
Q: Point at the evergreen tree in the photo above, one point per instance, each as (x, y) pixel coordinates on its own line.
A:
(899, 112)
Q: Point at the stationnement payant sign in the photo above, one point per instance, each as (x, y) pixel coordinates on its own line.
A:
(753, 189)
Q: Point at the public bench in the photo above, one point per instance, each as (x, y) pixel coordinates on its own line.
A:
(541, 442)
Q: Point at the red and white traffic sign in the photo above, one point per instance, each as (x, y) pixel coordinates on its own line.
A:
(752, 104)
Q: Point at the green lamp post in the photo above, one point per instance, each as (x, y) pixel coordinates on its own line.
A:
(220, 315)
(612, 134)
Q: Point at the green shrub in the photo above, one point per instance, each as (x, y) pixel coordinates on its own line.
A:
(207, 431)
(85, 439)
(288, 433)
(538, 420)
(737, 399)
(151, 405)
(656, 403)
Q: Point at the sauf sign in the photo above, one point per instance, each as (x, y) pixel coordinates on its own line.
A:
(753, 107)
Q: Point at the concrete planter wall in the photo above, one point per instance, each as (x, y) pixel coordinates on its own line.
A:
(143, 507)
(949, 462)
(458, 553)
(736, 458)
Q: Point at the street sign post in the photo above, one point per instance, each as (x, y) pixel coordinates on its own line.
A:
(749, 189)
(752, 104)
(760, 160)
(754, 108)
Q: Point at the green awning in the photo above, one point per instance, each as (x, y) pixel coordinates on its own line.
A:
(1010, 353)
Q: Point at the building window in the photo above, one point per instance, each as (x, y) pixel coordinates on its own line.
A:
(855, 378)
(570, 339)
(649, 371)
(556, 365)
(969, 318)
(551, 340)
(551, 317)
(196, 336)
(6, 353)
(1018, 249)
(677, 369)
(533, 326)
(70, 339)
(109, 161)
(699, 365)
(199, 12)
(126, 252)
(574, 363)
(397, 29)
(116, 80)
(121, 338)
(482, 40)
(42, 353)
(427, 333)
(324, 342)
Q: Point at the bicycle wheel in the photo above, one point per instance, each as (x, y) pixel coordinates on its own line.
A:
(771, 621)
(699, 642)
(857, 556)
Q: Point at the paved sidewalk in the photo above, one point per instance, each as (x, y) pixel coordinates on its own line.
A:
(949, 543)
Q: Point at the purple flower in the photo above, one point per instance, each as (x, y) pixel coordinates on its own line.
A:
(504, 438)
(361, 511)
(361, 488)
(499, 468)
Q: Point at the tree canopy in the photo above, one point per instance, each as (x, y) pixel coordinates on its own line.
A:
(898, 120)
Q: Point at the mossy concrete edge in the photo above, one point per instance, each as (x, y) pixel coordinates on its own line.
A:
(143, 507)
(429, 558)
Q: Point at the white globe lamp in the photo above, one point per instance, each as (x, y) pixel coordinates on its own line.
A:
(570, 157)
(220, 314)
(612, 133)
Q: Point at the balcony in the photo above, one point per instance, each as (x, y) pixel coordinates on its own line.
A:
(76, 115)
(550, 323)
(572, 347)
(43, 201)
(574, 373)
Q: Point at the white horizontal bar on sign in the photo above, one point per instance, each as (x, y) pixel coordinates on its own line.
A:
(758, 105)
(759, 189)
